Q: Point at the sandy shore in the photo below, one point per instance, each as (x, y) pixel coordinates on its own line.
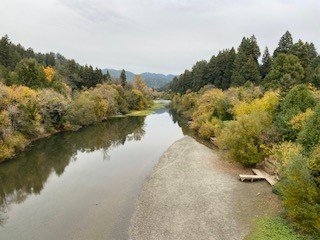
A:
(192, 194)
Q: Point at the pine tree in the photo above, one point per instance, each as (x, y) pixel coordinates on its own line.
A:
(312, 52)
(30, 73)
(284, 45)
(185, 81)
(199, 73)
(5, 51)
(108, 76)
(266, 63)
(286, 72)
(210, 69)
(247, 56)
(220, 68)
(123, 78)
(251, 71)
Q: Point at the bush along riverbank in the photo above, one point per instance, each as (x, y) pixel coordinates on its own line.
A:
(266, 112)
(27, 114)
(45, 93)
(251, 125)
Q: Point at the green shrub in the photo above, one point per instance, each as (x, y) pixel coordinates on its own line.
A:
(297, 101)
(283, 153)
(53, 109)
(212, 104)
(82, 110)
(273, 229)
(136, 100)
(309, 137)
(314, 164)
(185, 104)
(210, 128)
(301, 197)
(244, 138)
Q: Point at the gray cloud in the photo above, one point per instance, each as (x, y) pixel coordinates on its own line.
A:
(96, 11)
(160, 35)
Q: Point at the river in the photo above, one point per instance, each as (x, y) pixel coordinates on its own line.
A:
(84, 184)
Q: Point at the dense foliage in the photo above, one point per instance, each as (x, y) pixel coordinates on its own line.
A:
(41, 94)
(27, 113)
(251, 125)
(263, 111)
(25, 67)
(291, 63)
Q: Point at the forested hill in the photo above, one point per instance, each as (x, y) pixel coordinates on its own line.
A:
(153, 80)
(45, 93)
(24, 66)
(291, 63)
(14, 58)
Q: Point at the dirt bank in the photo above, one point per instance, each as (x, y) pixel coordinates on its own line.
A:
(192, 194)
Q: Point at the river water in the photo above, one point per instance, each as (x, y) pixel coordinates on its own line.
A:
(82, 185)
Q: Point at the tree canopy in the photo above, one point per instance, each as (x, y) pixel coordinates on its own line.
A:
(291, 64)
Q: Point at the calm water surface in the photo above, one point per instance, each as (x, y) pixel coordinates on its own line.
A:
(82, 185)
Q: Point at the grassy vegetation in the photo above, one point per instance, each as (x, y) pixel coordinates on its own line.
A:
(274, 229)
(141, 113)
(148, 111)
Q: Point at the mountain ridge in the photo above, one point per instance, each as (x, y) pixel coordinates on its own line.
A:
(153, 80)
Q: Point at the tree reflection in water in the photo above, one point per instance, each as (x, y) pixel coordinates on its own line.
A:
(28, 172)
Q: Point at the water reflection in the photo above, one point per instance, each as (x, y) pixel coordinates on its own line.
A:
(184, 125)
(27, 173)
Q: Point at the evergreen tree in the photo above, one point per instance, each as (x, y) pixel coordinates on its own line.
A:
(29, 73)
(174, 84)
(210, 69)
(185, 81)
(284, 45)
(199, 77)
(286, 72)
(306, 53)
(5, 51)
(123, 78)
(220, 68)
(97, 77)
(251, 71)
(108, 76)
(312, 51)
(243, 61)
(316, 77)
(50, 59)
(266, 63)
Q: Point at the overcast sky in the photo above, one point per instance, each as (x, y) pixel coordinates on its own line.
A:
(165, 36)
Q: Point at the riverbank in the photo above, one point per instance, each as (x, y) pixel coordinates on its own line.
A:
(192, 194)
(157, 104)
(83, 184)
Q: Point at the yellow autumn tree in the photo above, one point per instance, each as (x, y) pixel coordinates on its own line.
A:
(298, 121)
(267, 103)
(49, 73)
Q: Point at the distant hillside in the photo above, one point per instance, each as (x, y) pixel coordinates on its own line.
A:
(153, 80)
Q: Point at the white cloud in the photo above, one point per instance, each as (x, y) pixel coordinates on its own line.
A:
(160, 36)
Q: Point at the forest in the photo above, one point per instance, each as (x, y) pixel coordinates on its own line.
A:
(263, 111)
(41, 94)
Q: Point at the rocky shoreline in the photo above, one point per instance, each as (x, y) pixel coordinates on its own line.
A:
(192, 194)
